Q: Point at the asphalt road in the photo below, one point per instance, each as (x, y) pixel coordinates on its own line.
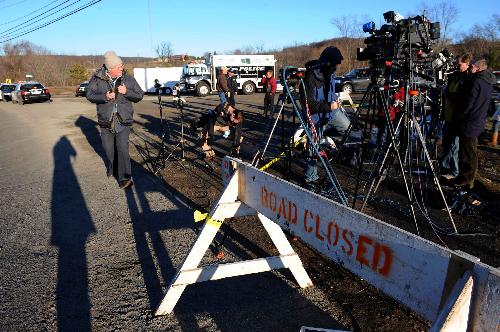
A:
(79, 254)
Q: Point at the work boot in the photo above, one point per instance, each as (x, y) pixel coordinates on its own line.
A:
(194, 129)
(124, 184)
(461, 183)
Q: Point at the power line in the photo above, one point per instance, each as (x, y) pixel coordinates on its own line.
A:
(21, 17)
(53, 21)
(13, 4)
(21, 27)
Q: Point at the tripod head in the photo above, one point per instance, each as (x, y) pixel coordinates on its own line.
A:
(179, 102)
(157, 86)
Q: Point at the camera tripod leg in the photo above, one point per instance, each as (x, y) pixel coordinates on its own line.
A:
(259, 155)
(366, 96)
(434, 175)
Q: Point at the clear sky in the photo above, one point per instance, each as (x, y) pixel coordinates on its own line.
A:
(133, 28)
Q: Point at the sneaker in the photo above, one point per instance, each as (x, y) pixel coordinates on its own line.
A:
(124, 184)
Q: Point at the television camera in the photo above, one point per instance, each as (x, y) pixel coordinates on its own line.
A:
(290, 77)
(397, 37)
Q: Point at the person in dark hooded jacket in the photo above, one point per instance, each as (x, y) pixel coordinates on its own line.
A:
(113, 92)
(320, 107)
(470, 121)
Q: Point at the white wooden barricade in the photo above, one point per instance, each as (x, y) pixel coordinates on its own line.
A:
(442, 285)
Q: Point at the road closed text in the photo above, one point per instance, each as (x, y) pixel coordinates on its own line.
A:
(364, 249)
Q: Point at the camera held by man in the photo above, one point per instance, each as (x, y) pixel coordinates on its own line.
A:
(226, 119)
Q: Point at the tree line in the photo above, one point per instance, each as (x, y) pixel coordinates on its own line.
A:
(22, 58)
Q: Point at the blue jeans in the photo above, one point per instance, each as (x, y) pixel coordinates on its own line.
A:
(222, 97)
(336, 121)
(311, 171)
(449, 161)
(496, 126)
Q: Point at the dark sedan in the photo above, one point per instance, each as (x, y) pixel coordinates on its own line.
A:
(30, 92)
(357, 80)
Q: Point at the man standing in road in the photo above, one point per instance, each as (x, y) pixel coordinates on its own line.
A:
(453, 92)
(269, 84)
(113, 92)
(222, 88)
(470, 121)
(232, 85)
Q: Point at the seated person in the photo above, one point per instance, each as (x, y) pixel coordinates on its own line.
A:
(224, 118)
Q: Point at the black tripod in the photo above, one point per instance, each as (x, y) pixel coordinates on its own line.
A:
(179, 104)
(287, 149)
(396, 147)
(163, 153)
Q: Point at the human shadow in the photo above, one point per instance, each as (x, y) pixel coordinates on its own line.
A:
(71, 226)
(89, 129)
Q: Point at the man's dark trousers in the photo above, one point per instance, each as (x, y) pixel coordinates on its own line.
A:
(468, 161)
(119, 140)
(268, 104)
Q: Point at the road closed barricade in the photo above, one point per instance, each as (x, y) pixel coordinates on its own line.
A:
(452, 289)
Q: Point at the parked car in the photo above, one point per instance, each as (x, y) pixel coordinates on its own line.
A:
(81, 90)
(357, 80)
(29, 92)
(5, 92)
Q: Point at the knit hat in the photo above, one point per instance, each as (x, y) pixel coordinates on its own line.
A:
(111, 60)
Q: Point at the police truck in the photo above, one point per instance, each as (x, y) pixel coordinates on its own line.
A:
(201, 78)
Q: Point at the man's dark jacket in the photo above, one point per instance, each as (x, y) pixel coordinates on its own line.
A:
(232, 85)
(96, 93)
(315, 91)
(471, 118)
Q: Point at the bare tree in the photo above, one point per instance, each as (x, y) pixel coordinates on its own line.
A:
(259, 47)
(444, 12)
(483, 40)
(351, 33)
(164, 51)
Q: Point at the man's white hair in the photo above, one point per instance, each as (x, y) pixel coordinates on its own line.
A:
(482, 64)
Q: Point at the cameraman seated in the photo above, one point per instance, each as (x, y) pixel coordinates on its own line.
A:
(225, 119)
(320, 106)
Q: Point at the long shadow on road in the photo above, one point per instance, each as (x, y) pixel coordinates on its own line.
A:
(71, 226)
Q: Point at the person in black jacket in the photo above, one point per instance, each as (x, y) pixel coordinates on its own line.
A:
(320, 106)
(453, 102)
(470, 121)
(113, 92)
(232, 86)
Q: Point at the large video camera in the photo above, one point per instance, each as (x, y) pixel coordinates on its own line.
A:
(290, 77)
(398, 36)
